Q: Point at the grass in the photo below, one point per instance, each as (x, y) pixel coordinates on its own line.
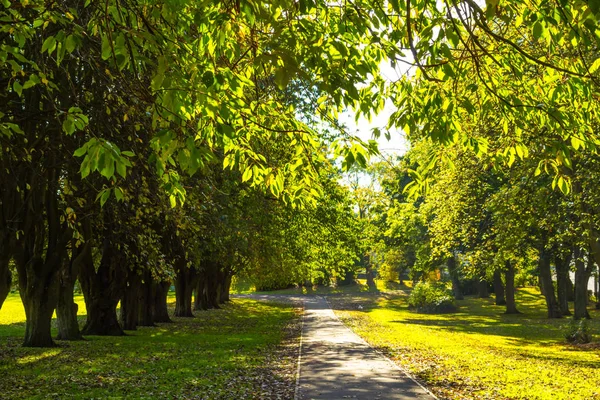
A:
(230, 353)
(478, 352)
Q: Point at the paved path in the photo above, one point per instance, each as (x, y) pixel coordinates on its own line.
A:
(337, 364)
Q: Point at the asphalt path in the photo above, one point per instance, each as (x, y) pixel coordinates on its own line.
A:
(335, 363)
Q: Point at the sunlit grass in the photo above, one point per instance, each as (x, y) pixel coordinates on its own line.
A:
(478, 352)
(220, 354)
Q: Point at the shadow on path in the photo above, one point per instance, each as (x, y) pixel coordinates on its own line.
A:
(337, 364)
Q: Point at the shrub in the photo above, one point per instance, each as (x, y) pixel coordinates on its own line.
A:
(579, 332)
(431, 297)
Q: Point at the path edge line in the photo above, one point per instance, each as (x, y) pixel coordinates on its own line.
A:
(297, 389)
(389, 360)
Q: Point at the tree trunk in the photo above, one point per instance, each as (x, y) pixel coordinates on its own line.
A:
(200, 298)
(66, 311)
(547, 284)
(39, 306)
(102, 291)
(582, 276)
(453, 272)
(509, 277)
(129, 303)
(369, 275)
(226, 288)
(184, 285)
(145, 315)
(499, 288)
(5, 277)
(39, 300)
(5, 282)
(212, 285)
(159, 299)
(482, 289)
(562, 283)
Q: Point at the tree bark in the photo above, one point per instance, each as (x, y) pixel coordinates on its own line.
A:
(547, 284)
(184, 285)
(66, 310)
(102, 291)
(482, 289)
(159, 300)
(129, 302)
(201, 299)
(226, 288)
(369, 274)
(509, 277)
(499, 288)
(5, 279)
(39, 303)
(453, 272)
(562, 283)
(582, 276)
(145, 314)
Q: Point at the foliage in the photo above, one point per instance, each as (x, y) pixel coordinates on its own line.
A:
(431, 297)
(578, 332)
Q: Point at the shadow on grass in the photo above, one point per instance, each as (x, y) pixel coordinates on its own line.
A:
(218, 354)
(474, 315)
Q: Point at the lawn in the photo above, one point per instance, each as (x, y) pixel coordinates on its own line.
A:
(245, 350)
(479, 353)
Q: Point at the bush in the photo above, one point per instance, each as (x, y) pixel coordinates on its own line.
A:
(432, 298)
(579, 332)
(388, 273)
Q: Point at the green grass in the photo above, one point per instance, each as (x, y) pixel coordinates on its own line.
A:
(230, 353)
(478, 352)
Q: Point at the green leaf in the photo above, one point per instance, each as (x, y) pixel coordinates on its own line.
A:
(594, 67)
(105, 196)
(538, 30)
(81, 151)
(49, 44)
(70, 43)
(121, 169)
(118, 194)
(106, 48)
(18, 88)
(247, 174)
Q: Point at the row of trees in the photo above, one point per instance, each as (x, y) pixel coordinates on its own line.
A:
(501, 113)
(117, 119)
(149, 144)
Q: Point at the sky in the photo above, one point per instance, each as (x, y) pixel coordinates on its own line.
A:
(398, 144)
